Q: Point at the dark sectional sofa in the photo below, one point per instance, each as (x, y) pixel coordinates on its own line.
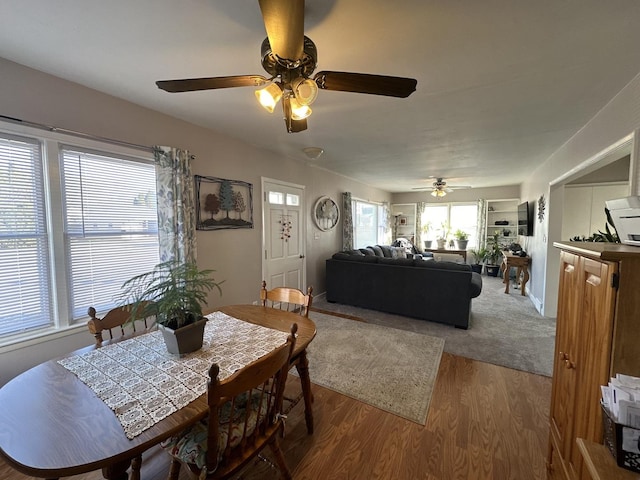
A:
(379, 278)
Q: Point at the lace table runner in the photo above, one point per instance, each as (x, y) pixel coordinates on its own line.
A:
(143, 383)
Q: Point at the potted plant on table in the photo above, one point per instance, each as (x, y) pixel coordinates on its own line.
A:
(426, 228)
(461, 239)
(441, 240)
(174, 293)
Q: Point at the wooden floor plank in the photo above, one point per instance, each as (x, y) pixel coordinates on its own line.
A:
(484, 422)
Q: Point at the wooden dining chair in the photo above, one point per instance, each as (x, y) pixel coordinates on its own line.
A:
(294, 300)
(245, 415)
(116, 321)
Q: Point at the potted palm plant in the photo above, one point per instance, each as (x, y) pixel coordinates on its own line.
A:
(461, 239)
(479, 255)
(173, 293)
(494, 255)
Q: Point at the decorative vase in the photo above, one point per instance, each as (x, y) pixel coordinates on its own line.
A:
(185, 339)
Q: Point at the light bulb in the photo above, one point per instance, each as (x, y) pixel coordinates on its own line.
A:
(299, 112)
(269, 96)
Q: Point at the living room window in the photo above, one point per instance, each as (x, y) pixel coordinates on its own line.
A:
(368, 223)
(455, 216)
(77, 219)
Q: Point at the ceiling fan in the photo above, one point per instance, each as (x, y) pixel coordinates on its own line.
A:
(440, 188)
(289, 57)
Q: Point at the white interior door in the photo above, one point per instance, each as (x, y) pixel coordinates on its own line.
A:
(283, 236)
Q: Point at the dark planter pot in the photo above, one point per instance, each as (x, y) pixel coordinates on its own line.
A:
(185, 339)
(476, 267)
(492, 270)
(461, 244)
(427, 243)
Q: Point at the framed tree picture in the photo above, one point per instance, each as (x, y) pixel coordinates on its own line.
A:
(223, 203)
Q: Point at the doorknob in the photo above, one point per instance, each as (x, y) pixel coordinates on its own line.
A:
(301, 256)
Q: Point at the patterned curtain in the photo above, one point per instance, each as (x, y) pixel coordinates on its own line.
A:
(176, 205)
(386, 224)
(420, 206)
(347, 222)
(482, 223)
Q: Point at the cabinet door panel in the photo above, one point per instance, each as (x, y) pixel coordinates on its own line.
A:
(595, 331)
(564, 372)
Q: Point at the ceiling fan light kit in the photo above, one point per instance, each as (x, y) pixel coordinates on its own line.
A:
(269, 96)
(438, 193)
(290, 58)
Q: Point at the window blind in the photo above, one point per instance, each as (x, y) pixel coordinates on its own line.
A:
(111, 225)
(24, 263)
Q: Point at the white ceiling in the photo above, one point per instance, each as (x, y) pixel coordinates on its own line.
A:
(501, 83)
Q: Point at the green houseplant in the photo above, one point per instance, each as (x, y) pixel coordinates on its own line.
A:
(479, 255)
(443, 234)
(461, 239)
(494, 255)
(426, 228)
(173, 293)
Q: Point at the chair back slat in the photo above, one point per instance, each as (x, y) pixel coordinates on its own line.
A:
(114, 321)
(286, 298)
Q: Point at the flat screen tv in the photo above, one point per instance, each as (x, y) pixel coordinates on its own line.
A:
(525, 227)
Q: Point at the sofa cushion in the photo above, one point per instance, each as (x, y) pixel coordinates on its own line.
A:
(355, 258)
(396, 261)
(355, 252)
(377, 250)
(367, 251)
(398, 252)
(387, 251)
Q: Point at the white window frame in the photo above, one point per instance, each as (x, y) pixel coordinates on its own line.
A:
(435, 229)
(379, 218)
(62, 323)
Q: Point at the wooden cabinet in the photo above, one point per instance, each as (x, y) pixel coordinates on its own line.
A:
(597, 336)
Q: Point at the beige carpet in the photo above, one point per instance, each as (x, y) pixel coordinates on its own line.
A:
(390, 369)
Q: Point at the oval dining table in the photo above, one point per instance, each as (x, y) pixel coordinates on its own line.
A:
(53, 425)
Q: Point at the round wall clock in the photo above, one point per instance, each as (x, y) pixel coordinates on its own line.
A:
(326, 214)
(541, 207)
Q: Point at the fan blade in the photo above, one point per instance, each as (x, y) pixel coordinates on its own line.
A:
(284, 23)
(365, 83)
(193, 84)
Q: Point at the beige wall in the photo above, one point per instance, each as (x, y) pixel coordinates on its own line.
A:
(618, 120)
(234, 254)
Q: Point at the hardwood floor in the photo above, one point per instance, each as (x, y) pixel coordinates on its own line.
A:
(485, 422)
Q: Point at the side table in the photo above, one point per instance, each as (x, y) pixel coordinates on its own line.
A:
(522, 270)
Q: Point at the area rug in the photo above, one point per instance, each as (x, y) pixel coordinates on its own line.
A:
(390, 369)
(505, 329)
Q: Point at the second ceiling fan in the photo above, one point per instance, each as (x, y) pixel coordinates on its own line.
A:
(290, 58)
